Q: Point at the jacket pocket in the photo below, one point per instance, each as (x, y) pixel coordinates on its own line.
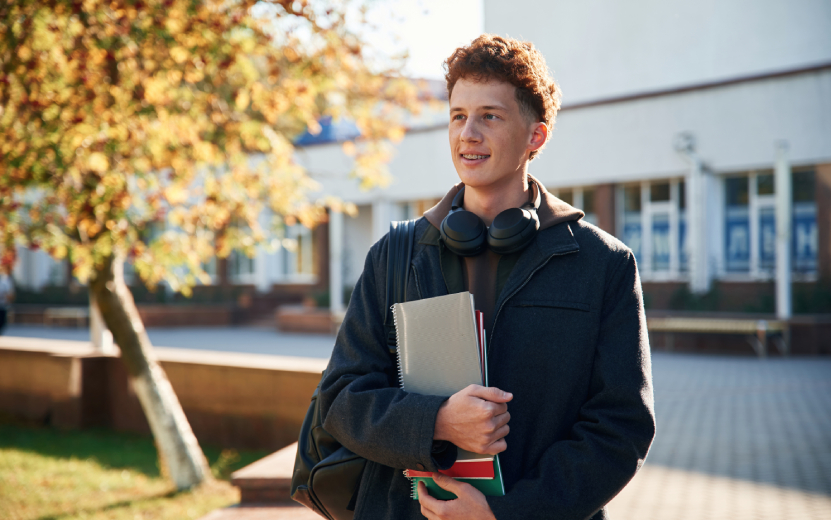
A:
(554, 304)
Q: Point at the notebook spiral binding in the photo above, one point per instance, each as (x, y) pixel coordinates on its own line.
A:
(398, 350)
(413, 481)
(413, 484)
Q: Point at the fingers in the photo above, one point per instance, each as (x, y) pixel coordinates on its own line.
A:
(495, 447)
(495, 409)
(472, 422)
(490, 393)
(450, 484)
(470, 502)
(430, 507)
(501, 420)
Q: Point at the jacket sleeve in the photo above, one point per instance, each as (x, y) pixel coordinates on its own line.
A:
(576, 477)
(361, 403)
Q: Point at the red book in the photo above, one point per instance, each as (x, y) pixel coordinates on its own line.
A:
(480, 335)
(475, 468)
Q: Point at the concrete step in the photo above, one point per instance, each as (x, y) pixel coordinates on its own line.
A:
(262, 512)
(264, 491)
(268, 480)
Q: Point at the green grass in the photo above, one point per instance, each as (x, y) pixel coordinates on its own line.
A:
(48, 474)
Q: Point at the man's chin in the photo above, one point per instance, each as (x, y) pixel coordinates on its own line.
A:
(483, 178)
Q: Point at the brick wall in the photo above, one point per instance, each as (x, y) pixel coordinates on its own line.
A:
(41, 387)
(232, 400)
(185, 315)
(604, 207)
(160, 315)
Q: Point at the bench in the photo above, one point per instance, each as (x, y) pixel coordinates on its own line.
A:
(758, 331)
(79, 314)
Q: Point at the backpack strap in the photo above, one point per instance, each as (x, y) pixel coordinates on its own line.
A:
(399, 255)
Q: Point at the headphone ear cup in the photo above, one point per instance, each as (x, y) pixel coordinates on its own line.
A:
(512, 230)
(464, 233)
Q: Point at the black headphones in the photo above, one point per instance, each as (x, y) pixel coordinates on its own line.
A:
(464, 233)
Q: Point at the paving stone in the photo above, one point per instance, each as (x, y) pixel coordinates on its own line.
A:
(737, 438)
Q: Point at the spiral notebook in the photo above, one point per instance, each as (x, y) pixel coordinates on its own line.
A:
(439, 353)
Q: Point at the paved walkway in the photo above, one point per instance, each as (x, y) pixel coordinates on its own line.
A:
(738, 439)
(251, 340)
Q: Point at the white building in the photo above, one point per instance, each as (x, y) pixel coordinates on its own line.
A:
(681, 124)
(674, 117)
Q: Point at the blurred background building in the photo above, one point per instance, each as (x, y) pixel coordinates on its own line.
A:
(688, 130)
(676, 118)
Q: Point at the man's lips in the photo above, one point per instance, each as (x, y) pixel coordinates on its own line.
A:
(474, 156)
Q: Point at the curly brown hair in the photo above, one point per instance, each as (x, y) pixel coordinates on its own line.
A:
(516, 62)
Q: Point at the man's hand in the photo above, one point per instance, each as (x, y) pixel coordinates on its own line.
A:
(470, 504)
(475, 419)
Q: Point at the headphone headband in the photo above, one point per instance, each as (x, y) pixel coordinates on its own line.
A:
(464, 233)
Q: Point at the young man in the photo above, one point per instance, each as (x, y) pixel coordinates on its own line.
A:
(568, 349)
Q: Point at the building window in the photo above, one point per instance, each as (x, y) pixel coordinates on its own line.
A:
(659, 198)
(750, 224)
(805, 232)
(767, 221)
(653, 225)
(683, 236)
(241, 267)
(660, 242)
(580, 198)
(737, 224)
(632, 229)
(295, 258)
(587, 205)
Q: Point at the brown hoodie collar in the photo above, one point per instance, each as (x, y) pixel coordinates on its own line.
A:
(552, 210)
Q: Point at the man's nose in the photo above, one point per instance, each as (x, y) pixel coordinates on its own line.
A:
(470, 132)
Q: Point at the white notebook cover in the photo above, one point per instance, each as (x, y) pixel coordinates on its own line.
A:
(438, 353)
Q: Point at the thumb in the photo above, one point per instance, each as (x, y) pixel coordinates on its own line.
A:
(449, 483)
(491, 393)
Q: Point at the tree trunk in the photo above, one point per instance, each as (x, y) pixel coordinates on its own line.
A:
(179, 451)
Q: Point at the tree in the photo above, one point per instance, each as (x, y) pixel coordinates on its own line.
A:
(122, 117)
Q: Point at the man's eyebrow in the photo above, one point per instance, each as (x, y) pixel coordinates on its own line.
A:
(486, 107)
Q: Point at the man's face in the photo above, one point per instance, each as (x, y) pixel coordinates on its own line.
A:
(490, 137)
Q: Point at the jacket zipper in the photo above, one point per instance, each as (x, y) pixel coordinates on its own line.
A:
(415, 277)
(523, 284)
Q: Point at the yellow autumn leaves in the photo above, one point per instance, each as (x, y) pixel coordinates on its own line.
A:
(178, 116)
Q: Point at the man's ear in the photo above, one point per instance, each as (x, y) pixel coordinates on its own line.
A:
(539, 135)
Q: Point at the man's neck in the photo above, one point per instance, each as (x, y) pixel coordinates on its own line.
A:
(489, 201)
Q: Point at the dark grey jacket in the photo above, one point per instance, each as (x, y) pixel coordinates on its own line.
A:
(568, 340)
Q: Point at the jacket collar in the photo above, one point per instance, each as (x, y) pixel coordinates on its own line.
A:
(552, 210)
(554, 241)
(550, 242)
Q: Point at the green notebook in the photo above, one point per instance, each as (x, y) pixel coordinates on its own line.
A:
(492, 487)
